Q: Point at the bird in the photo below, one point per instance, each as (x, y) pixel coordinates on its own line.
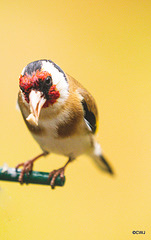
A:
(61, 115)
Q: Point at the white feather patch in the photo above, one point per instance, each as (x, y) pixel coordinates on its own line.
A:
(58, 79)
(97, 149)
(88, 125)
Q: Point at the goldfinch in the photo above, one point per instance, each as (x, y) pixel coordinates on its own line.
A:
(60, 114)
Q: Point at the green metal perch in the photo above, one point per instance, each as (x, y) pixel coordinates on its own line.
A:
(11, 174)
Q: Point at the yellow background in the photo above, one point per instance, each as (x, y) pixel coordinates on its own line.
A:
(106, 45)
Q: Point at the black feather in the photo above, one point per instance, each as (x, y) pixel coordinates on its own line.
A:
(89, 116)
(33, 67)
(109, 169)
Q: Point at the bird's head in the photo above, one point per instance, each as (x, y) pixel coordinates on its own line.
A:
(43, 84)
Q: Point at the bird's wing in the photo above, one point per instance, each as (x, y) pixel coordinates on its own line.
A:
(90, 110)
(88, 104)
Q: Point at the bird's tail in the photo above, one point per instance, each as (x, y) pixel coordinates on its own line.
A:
(100, 160)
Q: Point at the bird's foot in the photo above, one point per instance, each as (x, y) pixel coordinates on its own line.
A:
(54, 174)
(27, 168)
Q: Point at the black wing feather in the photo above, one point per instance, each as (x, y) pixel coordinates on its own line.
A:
(89, 116)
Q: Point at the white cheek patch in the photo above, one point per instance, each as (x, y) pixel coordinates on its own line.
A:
(58, 79)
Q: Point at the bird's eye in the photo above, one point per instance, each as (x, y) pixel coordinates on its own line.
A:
(48, 80)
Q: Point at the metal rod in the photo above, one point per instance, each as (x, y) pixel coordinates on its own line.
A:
(11, 174)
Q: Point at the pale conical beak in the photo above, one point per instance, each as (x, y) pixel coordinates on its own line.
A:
(36, 101)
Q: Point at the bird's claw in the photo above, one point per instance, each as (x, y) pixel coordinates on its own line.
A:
(54, 174)
(27, 168)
